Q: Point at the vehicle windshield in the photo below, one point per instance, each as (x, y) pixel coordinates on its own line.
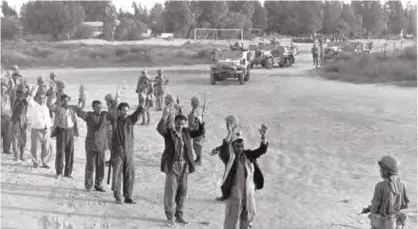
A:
(233, 55)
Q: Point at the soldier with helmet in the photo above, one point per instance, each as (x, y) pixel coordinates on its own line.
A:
(159, 89)
(389, 197)
(145, 90)
(20, 121)
(112, 104)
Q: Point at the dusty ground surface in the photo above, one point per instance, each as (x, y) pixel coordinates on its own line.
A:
(321, 168)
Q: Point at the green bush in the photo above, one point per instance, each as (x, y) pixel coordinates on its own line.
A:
(84, 32)
(9, 28)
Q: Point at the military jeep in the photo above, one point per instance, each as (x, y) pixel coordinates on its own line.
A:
(231, 64)
(268, 55)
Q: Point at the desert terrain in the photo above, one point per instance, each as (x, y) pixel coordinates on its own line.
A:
(320, 170)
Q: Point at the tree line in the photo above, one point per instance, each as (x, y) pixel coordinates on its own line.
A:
(359, 19)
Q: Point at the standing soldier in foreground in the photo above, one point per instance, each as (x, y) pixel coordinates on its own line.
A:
(159, 89)
(389, 197)
(6, 114)
(20, 122)
(122, 153)
(195, 119)
(242, 177)
(176, 162)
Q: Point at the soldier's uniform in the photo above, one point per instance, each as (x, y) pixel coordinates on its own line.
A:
(159, 89)
(20, 122)
(144, 90)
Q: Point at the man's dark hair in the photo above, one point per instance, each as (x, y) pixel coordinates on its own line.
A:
(95, 102)
(122, 105)
(64, 96)
(180, 117)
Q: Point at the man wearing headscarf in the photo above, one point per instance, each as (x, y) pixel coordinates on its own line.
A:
(112, 105)
(159, 89)
(66, 129)
(176, 162)
(122, 158)
(242, 177)
(389, 197)
(20, 121)
(233, 122)
(195, 119)
(41, 123)
(6, 113)
(144, 90)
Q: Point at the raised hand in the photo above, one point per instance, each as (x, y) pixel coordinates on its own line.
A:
(263, 130)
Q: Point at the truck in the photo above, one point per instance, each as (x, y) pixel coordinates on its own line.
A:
(232, 64)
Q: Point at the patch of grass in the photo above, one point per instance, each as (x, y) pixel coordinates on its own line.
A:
(399, 69)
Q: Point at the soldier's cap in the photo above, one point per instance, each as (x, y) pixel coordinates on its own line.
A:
(195, 100)
(65, 96)
(169, 97)
(61, 83)
(53, 75)
(15, 67)
(108, 97)
(390, 164)
(40, 80)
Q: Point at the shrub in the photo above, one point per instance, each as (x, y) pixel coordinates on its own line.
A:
(84, 32)
(9, 28)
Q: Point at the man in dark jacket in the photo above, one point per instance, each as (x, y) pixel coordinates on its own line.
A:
(242, 177)
(20, 122)
(122, 153)
(95, 143)
(176, 162)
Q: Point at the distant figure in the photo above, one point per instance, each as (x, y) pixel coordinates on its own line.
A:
(159, 89)
(314, 52)
(145, 91)
(195, 120)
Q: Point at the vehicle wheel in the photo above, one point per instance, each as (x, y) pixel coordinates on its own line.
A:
(247, 75)
(268, 63)
(241, 79)
(251, 65)
(212, 78)
(292, 60)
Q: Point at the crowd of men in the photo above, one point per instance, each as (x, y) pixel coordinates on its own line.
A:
(45, 108)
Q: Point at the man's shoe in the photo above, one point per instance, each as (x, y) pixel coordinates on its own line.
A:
(100, 189)
(180, 219)
(69, 176)
(171, 222)
(45, 166)
(59, 176)
(118, 201)
(129, 201)
(35, 165)
(16, 159)
(220, 198)
(198, 161)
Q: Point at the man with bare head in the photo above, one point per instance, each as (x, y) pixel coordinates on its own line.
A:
(176, 162)
(195, 119)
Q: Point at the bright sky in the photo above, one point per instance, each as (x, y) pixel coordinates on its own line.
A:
(127, 4)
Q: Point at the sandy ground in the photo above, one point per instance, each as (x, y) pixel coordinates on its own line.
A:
(321, 168)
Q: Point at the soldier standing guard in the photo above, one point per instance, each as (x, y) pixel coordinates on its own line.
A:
(20, 122)
(159, 89)
(6, 113)
(144, 90)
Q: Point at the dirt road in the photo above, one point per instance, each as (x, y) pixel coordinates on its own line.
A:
(321, 168)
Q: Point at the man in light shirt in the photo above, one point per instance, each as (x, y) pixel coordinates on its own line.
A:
(41, 123)
(65, 130)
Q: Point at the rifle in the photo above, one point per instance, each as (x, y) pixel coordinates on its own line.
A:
(365, 210)
(109, 171)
